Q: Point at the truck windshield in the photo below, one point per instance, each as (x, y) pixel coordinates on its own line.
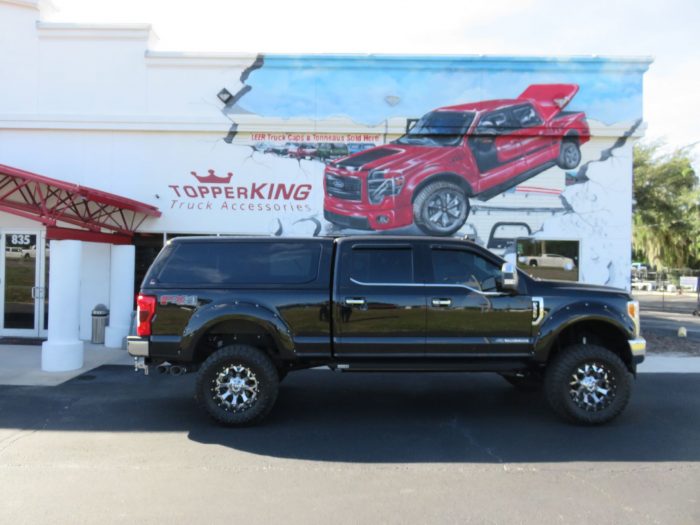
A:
(439, 128)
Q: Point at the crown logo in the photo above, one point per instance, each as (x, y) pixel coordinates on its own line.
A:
(212, 178)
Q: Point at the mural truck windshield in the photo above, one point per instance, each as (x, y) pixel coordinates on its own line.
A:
(439, 128)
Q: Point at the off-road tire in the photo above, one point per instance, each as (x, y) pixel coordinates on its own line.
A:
(252, 359)
(423, 199)
(559, 376)
(569, 154)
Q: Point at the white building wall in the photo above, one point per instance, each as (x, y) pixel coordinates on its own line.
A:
(93, 105)
(94, 283)
(19, 51)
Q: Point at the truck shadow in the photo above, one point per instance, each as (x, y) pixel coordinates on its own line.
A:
(377, 418)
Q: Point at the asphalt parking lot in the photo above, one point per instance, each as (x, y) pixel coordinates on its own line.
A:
(115, 446)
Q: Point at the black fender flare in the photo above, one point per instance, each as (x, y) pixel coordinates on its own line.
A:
(557, 321)
(213, 314)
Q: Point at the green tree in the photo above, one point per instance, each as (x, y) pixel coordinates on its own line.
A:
(666, 217)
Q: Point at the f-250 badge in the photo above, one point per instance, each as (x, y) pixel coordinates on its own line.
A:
(180, 300)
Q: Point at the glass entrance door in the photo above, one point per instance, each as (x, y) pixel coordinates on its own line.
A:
(23, 277)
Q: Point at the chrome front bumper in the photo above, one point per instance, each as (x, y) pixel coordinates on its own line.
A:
(638, 347)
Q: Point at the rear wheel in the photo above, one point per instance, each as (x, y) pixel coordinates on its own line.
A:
(587, 384)
(569, 155)
(441, 208)
(237, 385)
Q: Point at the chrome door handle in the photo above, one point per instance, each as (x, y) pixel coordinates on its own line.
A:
(355, 301)
(442, 302)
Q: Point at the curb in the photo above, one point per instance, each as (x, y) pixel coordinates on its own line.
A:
(676, 364)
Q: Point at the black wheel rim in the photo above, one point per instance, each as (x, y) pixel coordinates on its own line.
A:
(445, 210)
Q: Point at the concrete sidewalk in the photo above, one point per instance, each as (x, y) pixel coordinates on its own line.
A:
(21, 364)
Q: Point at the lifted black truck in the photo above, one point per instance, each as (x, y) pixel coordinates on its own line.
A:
(243, 312)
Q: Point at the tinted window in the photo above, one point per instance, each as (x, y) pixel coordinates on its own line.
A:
(493, 123)
(439, 128)
(241, 263)
(526, 117)
(463, 267)
(382, 265)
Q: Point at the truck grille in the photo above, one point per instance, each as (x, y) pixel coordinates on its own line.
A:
(346, 188)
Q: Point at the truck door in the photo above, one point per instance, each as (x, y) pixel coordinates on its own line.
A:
(378, 307)
(466, 314)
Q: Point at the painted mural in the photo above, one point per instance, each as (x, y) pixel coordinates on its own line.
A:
(324, 145)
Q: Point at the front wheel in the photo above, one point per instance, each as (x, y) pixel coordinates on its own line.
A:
(441, 208)
(237, 385)
(587, 384)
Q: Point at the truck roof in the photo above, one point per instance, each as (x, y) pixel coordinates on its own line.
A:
(268, 238)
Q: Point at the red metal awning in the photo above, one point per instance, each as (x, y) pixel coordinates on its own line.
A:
(94, 215)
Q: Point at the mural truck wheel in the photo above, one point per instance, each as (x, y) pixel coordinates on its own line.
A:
(441, 208)
(569, 155)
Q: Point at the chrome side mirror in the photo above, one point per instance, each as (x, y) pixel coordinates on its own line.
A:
(568, 266)
(510, 277)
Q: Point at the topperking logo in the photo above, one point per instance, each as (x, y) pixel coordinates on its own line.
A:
(217, 192)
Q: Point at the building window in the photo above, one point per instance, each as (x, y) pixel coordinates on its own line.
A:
(549, 259)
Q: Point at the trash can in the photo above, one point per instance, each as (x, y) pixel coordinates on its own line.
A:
(100, 316)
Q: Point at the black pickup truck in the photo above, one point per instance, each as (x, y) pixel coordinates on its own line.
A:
(243, 312)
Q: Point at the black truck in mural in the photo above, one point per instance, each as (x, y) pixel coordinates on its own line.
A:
(244, 312)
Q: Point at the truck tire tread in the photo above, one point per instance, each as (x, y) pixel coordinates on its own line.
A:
(558, 376)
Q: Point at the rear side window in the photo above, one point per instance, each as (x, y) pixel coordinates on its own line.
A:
(381, 265)
(233, 263)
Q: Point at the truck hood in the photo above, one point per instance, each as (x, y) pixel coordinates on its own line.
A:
(395, 157)
(568, 287)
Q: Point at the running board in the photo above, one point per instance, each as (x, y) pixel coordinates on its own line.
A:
(462, 366)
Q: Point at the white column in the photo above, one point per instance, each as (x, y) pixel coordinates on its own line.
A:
(63, 350)
(121, 294)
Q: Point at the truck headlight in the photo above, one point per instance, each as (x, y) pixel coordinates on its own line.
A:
(380, 185)
(633, 312)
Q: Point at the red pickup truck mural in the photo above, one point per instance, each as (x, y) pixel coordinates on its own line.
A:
(452, 154)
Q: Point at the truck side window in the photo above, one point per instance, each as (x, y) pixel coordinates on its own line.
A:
(463, 267)
(526, 117)
(496, 122)
(381, 265)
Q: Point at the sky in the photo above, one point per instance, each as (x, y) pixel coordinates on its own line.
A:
(666, 31)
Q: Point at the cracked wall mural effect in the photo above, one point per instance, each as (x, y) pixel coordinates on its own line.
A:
(346, 145)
